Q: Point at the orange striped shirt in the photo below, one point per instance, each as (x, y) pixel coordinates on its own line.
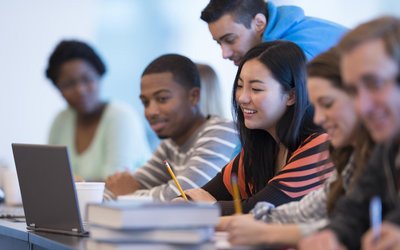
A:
(307, 168)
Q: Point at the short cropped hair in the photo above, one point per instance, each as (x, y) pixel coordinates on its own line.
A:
(242, 11)
(68, 50)
(183, 70)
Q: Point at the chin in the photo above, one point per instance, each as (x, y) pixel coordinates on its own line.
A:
(338, 143)
(381, 137)
(162, 137)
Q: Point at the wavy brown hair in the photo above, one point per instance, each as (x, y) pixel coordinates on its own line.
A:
(326, 66)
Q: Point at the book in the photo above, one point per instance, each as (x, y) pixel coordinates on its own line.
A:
(95, 245)
(142, 215)
(176, 236)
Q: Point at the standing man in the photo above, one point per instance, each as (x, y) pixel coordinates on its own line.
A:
(196, 146)
(370, 63)
(239, 25)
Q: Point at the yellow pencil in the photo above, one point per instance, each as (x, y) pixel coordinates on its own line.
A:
(175, 180)
(236, 195)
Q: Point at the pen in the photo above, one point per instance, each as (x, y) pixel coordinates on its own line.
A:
(375, 214)
(175, 180)
(236, 195)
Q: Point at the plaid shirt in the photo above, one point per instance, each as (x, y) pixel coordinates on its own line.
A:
(310, 212)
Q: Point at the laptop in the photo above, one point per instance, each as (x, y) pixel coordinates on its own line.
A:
(47, 189)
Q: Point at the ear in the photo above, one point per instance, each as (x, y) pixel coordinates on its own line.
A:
(194, 96)
(292, 98)
(260, 23)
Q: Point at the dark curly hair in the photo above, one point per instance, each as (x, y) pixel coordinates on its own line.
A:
(68, 50)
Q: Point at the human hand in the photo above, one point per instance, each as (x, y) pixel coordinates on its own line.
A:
(225, 220)
(245, 230)
(122, 183)
(324, 240)
(199, 194)
(78, 178)
(178, 200)
(389, 238)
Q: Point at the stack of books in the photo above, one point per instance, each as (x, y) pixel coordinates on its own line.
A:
(151, 225)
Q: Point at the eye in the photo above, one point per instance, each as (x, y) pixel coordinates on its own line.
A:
(87, 79)
(230, 40)
(327, 104)
(145, 103)
(257, 90)
(373, 82)
(65, 85)
(162, 99)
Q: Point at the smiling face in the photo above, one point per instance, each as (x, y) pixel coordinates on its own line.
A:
(334, 111)
(234, 38)
(370, 77)
(168, 105)
(260, 97)
(78, 82)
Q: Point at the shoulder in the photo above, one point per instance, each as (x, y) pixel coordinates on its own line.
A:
(216, 123)
(64, 116)
(317, 137)
(313, 144)
(120, 113)
(117, 109)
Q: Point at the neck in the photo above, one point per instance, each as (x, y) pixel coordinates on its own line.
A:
(272, 132)
(197, 121)
(93, 115)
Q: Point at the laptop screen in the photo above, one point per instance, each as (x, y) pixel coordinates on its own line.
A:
(47, 188)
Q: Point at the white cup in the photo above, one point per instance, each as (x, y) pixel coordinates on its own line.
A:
(12, 193)
(88, 192)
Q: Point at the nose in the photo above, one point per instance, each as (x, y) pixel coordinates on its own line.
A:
(363, 102)
(79, 88)
(319, 116)
(226, 51)
(152, 109)
(242, 96)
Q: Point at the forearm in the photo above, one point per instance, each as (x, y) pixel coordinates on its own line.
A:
(281, 235)
(217, 189)
(312, 227)
(310, 208)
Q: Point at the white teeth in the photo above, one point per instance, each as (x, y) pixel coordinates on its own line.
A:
(249, 111)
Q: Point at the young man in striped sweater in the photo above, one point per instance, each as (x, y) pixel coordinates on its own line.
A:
(196, 146)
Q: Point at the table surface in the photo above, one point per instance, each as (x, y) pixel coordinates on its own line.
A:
(17, 230)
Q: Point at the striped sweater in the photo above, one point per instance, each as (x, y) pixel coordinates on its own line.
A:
(306, 169)
(194, 163)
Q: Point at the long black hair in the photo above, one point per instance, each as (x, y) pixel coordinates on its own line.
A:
(286, 62)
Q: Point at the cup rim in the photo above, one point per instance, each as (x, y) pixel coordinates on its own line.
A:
(90, 185)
